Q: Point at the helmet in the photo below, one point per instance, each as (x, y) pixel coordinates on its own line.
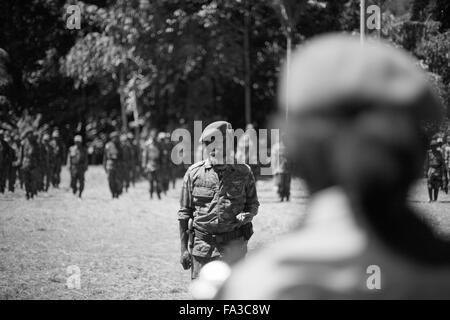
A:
(78, 138)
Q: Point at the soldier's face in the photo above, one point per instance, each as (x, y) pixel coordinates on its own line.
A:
(216, 151)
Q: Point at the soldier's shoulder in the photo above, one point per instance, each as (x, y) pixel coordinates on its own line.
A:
(194, 167)
(242, 168)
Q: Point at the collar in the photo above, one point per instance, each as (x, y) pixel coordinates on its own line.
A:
(208, 164)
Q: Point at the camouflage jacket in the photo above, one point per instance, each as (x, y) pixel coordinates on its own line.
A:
(151, 157)
(214, 203)
(57, 151)
(29, 155)
(77, 158)
(113, 156)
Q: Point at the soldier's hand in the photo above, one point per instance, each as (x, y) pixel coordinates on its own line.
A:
(244, 217)
(186, 260)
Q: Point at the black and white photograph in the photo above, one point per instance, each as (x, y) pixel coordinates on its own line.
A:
(208, 151)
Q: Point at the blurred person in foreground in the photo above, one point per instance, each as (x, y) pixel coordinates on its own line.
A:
(355, 134)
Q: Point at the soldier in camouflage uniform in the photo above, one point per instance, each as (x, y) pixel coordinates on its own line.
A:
(29, 160)
(14, 172)
(58, 157)
(436, 171)
(135, 158)
(165, 162)
(281, 167)
(221, 201)
(6, 161)
(78, 165)
(127, 161)
(47, 163)
(151, 162)
(113, 164)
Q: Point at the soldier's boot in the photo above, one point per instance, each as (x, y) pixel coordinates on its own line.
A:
(151, 194)
(288, 197)
(159, 195)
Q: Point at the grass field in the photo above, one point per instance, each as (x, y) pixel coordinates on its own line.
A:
(126, 248)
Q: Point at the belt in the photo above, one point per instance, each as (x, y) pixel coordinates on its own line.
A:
(220, 237)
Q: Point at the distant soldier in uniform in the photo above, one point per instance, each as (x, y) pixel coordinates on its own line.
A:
(7, 158)
(47, 164)
(58, 158)
(221, 200)
(165, 149)
(113, 164)
(446, 151)
(78, 165)
(282, 172)
(127, 167)
(151, 163)
(436, 171)
(14, 172)
(29, 160)
(135, 158)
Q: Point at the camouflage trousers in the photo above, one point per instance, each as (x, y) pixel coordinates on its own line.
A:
(3, 176)
(154, 181)
(30, 176)
(77, 180)
(230, 253)
(56, 174)
(127, 176)
(12, 177)
(283, 183)
(115, 181)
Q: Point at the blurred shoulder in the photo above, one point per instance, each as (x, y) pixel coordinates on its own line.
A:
(242, 168)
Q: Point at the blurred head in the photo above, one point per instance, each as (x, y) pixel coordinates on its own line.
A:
(46, 138)
(55, 134)
(161, 136)
(214, 139)
(114, 136)
(123, 138)
(78, 139)
(355, 114)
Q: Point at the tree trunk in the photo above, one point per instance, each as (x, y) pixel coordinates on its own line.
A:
(123, 110)
(247, 65)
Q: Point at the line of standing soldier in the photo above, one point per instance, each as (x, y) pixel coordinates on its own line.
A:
(35, 162)
(123, 162)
